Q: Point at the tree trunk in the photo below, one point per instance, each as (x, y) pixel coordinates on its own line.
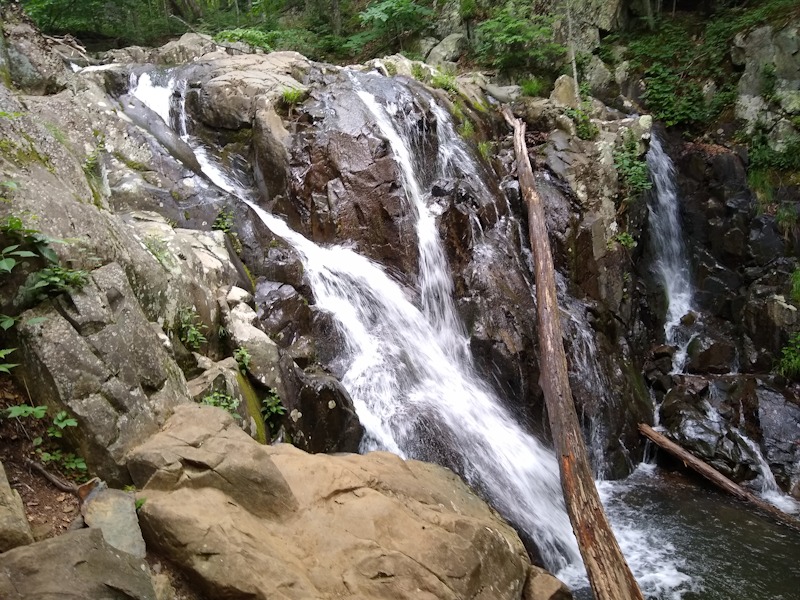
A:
(336, 18)
(609, 574)
(572, 58)
(716, 477)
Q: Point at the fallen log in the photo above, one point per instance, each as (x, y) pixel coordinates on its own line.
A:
(715, 477)
(609, 574)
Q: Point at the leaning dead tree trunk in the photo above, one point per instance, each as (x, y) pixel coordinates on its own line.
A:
(716, 477)
(609, 574)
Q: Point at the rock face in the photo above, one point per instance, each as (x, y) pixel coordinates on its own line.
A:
(14, 528)
(318, 527)
(97, 357)
(74, 566)
(31, 61)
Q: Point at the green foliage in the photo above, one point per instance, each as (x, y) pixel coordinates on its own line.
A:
(157, 248)
(60, 422)
(190, 328)
(786, 217)
(584, 127)
(419, 72)
(224, 220)
(223, 401)
(625, 239)
(769, 81)
(445, 80)
(789, 364)
(253, 37)
(242, 357)
(795, 280)
(9, 256)
(292, 96)
(139, 503)
(52, 454)
(388, 23)
(533, 87)
(767, 168)
(67, 461)
(272, 409)
(631, 168)
(53, 280)
(23, 411)
(466, 129)
(678, 56)
(515, 38)
(485, 149)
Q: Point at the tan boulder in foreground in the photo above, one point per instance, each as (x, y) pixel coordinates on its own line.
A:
(269, 522)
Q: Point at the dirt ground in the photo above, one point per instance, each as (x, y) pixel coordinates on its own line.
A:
(50, 511)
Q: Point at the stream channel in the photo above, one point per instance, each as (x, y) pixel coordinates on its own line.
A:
(408, 367)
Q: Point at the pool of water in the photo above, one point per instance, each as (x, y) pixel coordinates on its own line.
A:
(713, 547)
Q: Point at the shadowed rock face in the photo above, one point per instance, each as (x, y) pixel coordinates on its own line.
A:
(262, 522)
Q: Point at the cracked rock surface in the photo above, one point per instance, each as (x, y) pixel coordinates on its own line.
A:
(252, 521)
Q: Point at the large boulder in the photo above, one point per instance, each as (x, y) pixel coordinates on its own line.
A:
(250, 521)
(30, 59)
(233, 88)
(74, 566)
(450, 49)
(95, 355)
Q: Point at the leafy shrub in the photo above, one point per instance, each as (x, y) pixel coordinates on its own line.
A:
(789, 364)
(253, 37)
(625, 239)
(631, 168)
(389, 22)
(242, 357)
(533, 87)
(190, 328)
(515, 38)
(54, 280)
(445, 80)
(466, 129)
(272, 409)
(584, 127)
(223, 401)
(291, 96)
(795, 293)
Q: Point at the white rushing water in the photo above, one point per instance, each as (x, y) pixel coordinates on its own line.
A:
(672, 261)
(409, 370)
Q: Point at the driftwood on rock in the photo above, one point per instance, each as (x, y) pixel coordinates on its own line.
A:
(716, 477)
(609, 574)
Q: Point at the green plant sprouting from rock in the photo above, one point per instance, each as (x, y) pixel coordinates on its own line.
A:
(190, 328)
(272, 409)
(634, 176)
(224, 401)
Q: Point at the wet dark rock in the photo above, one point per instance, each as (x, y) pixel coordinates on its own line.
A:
(779, 420)
(765, 243)
(711, 353)
(286, 316)
(321, 417)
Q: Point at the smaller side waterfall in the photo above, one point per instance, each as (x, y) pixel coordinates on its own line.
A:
(672, 261)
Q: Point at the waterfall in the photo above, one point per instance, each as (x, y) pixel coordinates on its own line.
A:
(672, 261)
(408, 366)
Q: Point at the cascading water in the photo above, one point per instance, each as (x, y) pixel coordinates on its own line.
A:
(672, 261)
(409, 370)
